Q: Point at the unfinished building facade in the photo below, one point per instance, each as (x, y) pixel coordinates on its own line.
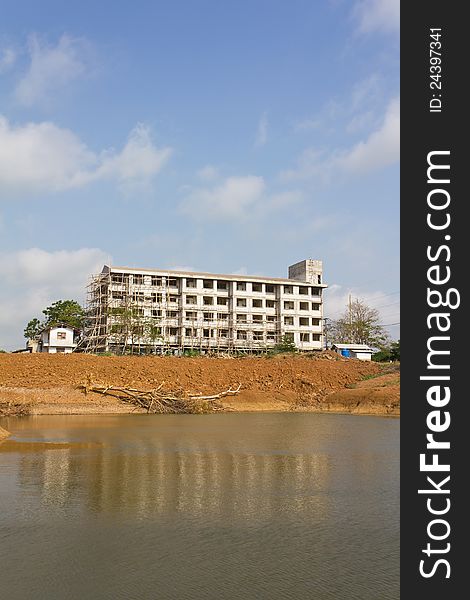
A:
(158, 311)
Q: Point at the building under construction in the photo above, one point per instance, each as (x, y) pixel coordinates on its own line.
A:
(158, 311)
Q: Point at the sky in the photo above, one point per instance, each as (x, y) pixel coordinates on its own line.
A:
(229, 137)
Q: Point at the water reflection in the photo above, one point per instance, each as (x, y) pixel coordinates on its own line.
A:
(231, 506)
(150, 478)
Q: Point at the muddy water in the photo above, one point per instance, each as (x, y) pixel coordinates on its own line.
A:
(229, 506)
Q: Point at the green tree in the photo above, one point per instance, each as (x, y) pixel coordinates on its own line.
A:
(33, 329)
(359, 324)
(68, 312)
(286, 344)
(65, 311)
(395, 350)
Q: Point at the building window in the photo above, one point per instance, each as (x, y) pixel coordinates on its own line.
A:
(241, 301)
(269, 288)
(118, 278)
(305, 337)
(207, 300)
(138, 296)
(257, 303)
(222, 285)
(191, 299)
(208, 284)
(241, 319)
(191, 283)
(288, 289)
(223, 333)
(156, 312)
(270, 336)
(258, 336)
(241, 286)
(191, 315)
(208, 316)
(173, 299)
(222, 301)
(118, 295)
(138, 280)
(172, 282)
(303, 291)
(257, 318)
(270, 318)
(288, 320)
(222, 316)
(315, 322)
(316, 291)
(156, 281)
(270, 304)
(173, 331)
(304, 306)
(257, 287)
(241, 335)
(304, 321)
(61, 335)
(315, 306)
(315, 337)
(289, 337)
(318, 278)
(189, 332)
(206, 333)
(172, 314)
(288, 305)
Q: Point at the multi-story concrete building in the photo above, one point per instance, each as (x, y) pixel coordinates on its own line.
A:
(155, 310)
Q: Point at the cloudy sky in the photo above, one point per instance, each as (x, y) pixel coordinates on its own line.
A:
(237, 136)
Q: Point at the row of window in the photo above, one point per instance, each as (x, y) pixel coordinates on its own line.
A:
(254, 303)
(211, 284)
(240, 318)
(242, 335)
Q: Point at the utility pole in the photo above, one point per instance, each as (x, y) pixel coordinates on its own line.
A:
(325, 329)
(350, 319)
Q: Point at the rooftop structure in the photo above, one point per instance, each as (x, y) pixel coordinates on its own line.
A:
(157, 310)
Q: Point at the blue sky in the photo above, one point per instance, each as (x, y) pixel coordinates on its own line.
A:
(217, 136)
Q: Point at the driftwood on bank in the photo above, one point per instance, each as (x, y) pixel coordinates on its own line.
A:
(160, 400)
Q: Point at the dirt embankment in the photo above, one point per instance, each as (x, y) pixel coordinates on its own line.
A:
(326, 383)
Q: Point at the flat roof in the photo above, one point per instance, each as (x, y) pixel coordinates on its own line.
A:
(229, 277)
(363, 347)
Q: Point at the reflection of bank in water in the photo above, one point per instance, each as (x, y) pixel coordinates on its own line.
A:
(3, 433)
(150, 478)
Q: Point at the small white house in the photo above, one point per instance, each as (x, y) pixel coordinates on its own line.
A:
(360, 351)
(58, 338)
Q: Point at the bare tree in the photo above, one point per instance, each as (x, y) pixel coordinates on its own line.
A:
(359, 324)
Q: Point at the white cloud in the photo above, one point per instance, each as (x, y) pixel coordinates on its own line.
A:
(230, 199)
(377, 15)
(44, 157)
(239, 197)
(34, 278)
(262, 131)
(51, 68)
(380, 149)
(7, 59)
(208, 173)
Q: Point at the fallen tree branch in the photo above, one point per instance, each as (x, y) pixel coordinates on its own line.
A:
(162, 401)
